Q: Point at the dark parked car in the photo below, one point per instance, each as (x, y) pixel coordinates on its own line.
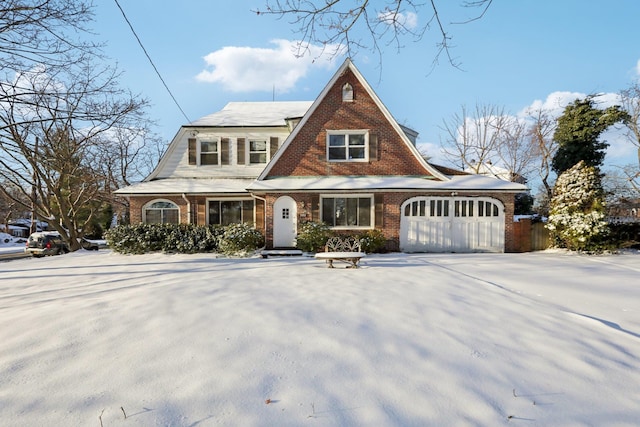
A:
(46, 243)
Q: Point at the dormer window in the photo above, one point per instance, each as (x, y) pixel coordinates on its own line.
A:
(347, 93)
(209, 152)
(257, 152)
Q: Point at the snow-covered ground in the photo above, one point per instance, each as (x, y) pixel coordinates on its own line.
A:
(535, 339)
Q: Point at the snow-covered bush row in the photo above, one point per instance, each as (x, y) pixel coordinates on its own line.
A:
(234, 239)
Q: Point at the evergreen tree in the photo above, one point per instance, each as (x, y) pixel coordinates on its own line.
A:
(577, 211)
(578, 133)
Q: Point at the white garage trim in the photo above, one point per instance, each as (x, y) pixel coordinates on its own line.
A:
(452, 224)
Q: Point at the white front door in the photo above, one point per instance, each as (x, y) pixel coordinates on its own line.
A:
(284, 222)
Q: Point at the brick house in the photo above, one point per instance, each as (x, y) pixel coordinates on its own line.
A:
(341, 159)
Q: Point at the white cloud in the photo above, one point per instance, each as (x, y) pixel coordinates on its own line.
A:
(247, 69)
(638, 68)
(407, 20)
(554, 104)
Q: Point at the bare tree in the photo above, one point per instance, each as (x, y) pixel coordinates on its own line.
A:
(55, 136)
(541, 129)
(43, 32)
(518, 153)
(354, 25)
(630, 102)
(472, 140)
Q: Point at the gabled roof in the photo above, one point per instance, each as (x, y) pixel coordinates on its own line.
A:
(251, 114)
(348, 64)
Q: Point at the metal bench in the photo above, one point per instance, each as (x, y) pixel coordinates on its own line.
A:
(342, 249)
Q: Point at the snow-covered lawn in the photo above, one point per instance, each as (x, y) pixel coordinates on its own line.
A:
(536, 339)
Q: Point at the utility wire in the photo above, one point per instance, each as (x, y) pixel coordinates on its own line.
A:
(151, 61)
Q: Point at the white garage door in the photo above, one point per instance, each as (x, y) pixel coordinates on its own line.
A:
(452, 224)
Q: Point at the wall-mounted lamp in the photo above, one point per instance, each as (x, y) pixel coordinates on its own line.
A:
(194, 133)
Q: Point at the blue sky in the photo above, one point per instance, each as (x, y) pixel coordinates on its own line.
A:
(520, 53)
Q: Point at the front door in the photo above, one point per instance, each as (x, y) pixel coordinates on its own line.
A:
(284, 222)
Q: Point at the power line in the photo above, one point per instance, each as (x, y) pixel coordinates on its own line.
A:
(151, 61)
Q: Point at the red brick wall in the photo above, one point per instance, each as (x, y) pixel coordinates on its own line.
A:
(306, 155)
(391, 215)
(137, 203)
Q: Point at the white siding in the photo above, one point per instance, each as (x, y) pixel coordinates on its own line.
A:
(175, 163)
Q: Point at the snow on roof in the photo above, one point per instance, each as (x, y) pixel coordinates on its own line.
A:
(254, 114)
(188, 185)
(489, 169)
(360, 183)
(319, 183)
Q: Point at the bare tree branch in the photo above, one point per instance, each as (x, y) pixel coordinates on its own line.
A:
(349, 26)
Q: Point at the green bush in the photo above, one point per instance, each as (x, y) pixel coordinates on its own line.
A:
(183, 238)
(136, 238)
(312, 236)
(189, 239)
(372, 241)
(240, 239)
(625, 235)
(577, 211)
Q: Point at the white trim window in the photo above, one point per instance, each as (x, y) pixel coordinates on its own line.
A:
(347, 211)
(348, 146)
(230, 211)
(257, 152)
(161, 212)
(209, 152)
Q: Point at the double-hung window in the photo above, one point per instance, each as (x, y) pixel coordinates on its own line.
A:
(209, 153)
(347, 146)
(257, 152)
(347, 211)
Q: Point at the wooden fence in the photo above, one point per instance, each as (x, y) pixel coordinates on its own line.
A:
(530, 236)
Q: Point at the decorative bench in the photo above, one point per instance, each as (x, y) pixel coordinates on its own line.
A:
(342, 249)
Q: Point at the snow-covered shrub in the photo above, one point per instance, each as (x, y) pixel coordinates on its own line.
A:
(372, 241)
(136, 238)
(312, 236)
(190, 238)
(577, 212)
(240, 239)
(179, 238)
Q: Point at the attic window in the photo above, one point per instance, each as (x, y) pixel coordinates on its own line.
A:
(348, 146)
(347, 93)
